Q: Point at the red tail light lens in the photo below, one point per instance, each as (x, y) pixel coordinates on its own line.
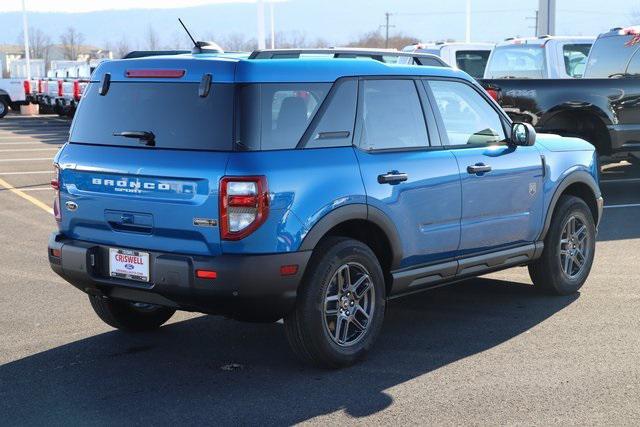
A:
(39, 86)
(244, 205)
(76, 90)
(206, 274)
(27, 87)
(55, 184)
(157, 74)
(493, 94)
(60, 89)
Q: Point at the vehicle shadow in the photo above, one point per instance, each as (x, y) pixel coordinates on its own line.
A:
(47, 130)
(214, 370)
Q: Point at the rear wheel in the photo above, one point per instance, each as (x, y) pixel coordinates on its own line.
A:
(569, 249)
(4, 107)
(340, 305)
(130, 316)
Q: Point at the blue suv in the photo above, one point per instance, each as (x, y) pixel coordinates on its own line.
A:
(312, 188)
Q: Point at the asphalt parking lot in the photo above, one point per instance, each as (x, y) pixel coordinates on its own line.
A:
(486, 351)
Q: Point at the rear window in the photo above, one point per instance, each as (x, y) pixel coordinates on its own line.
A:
(274, 116)
(173, 112)
(610, 55)
(473, 62)
(575, 58)
(516, 62)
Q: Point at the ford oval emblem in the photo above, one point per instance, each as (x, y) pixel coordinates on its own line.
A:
(71, 206)
(129, 266)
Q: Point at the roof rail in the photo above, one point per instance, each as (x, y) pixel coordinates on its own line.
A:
(145, 53)
(376, 54)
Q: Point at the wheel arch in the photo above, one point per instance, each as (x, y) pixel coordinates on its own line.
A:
(589, 123)
(364, 223)
(580, 184)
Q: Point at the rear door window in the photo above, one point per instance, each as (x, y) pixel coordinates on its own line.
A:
(610, 55)
(575, 58)
(473, 62)
(392, 116)
(274, 116)
(335, 127)
(173, 112)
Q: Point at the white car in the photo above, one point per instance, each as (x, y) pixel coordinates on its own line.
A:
(546, 57)
(469, 57)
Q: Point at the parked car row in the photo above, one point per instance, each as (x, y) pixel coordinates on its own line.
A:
(602, 106)
(59, 96)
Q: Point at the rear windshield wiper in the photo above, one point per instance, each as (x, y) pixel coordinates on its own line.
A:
(144, 137)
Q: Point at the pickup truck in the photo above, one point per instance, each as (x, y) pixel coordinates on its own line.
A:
(546, 57)
(468, 57)
(602, 107)
(13, 93)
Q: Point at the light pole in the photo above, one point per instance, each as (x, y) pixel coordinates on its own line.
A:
(25, 29)
(273, 28)
(261, 42)
(467, 36)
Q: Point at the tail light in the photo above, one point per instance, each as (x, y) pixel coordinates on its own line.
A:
(493, 93)
(55, 184)
(39, 86)
(76, 90)
(60, 90)
(45, 86)
(27, 87)
(244, 205)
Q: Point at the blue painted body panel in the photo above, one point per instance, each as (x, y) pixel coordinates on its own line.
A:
(234, 70)
(505, 206)
(147, 199)
(425, 208)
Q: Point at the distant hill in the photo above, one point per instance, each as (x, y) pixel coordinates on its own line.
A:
(336, 21)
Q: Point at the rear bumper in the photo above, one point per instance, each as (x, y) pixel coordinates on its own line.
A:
(247, 286)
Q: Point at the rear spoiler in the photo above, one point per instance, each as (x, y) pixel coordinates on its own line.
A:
(145, 53)
(376, 54)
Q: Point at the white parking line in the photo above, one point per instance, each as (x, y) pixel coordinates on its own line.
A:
(628, 205)
(26, 160)
(16, 150)
(621, 180)
(37, 142)
(27, 173)
(35, 189)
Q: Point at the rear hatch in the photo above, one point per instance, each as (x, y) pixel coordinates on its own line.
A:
(130, 193)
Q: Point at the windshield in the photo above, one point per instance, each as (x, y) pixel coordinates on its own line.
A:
(473, 62)
(516, 62)
(174, 113)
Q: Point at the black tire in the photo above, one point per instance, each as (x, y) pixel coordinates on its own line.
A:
(549, 273)
(4, 107)
(127, 316)
(307, 327)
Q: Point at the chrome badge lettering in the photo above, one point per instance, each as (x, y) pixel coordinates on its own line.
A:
(126, 186)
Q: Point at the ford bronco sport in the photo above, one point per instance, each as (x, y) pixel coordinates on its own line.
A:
(311, 188)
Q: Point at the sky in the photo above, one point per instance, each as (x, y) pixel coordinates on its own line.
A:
(343, 21)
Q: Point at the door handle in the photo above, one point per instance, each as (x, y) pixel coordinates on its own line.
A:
(392, 177)
(478, 169)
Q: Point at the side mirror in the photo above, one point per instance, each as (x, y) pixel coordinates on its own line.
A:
(523, 134)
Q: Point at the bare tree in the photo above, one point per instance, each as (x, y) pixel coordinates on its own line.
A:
(375, 39)
(39, 45)
(152, 39)
(237, 42)
(122, 47)
(71, 41)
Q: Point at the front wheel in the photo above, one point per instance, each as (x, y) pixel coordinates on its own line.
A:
(569, 249)
(130, 316)
(340, 305)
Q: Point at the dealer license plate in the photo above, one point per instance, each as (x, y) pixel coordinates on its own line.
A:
(127, 264)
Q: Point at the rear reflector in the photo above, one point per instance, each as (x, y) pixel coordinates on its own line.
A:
(155, 74)
(55, 253)
(288, 270)
(206, 274)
